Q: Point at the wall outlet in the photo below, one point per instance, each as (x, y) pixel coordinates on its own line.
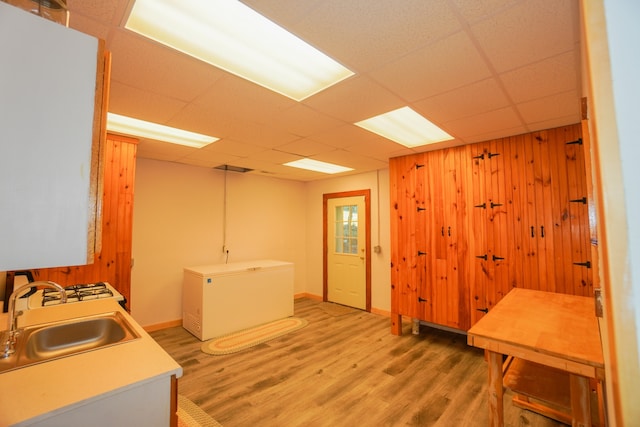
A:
(377, 249)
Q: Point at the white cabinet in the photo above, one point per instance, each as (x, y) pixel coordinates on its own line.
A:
(223, 298)
(142, 405)
(48, 94)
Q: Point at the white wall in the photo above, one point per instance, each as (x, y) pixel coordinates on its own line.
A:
(612, 37)
(178, 222)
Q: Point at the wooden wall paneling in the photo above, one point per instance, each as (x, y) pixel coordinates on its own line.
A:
(543, 283)
(398, 266)
(451, 291)
(513, 235)
(480, 272)
(520, 230)
(438, 275)
(532, 276)
(593, 231)
(403, 174)
(520, 205)
(578, 213)
(421, 249)
(462, 212)
(451, 285)
(427, 297)
(498, 208)
(559, 200)
(545, 215)
(513, 200)
(123, 245)
(508, 198)
(587, 283)
(490, 233)
(542, 225)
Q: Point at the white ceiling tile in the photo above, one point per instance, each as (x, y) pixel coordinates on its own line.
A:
(493, 121)
(489, 135)
(237, 97)
(560, 105)
(526, 33)
(364, 34)
(282, 12)
(208, 160)
(141, 63)
(347, 135)
(381, 150)
(233, 127)
(541, 79)
(473, 99)
(98, 10)
(233, 148)
(303, 121)
(345, 158)
(141, 104)
(475, 10)
(355, 99)
(434, 69)
(161, 150)
(305, 147)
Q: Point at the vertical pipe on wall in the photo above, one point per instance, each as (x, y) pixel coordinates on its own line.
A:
(224, 214)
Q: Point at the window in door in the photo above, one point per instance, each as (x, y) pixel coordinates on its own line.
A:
(346, 226)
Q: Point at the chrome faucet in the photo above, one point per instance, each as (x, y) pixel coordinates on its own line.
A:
(12, 332)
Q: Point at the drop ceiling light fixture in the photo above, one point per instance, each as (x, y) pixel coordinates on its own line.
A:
(317, 166)
(130, 126)
(232, 36)
(405, 127)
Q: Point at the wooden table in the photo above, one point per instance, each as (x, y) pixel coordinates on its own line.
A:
(556, 330)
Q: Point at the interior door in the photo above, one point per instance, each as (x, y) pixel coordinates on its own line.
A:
(347, 251)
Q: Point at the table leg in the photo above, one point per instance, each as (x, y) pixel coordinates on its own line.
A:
(580, 401)
(496, 391)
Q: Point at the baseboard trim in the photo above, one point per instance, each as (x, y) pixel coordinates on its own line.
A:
(381, 312)
(164, 325)
(307, 295)
(374, 310)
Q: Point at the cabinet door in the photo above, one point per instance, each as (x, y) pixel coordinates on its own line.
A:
(552, 200)
(407, 224)
(447, 235)
(47, 129)
(494, 238)
(569, 216)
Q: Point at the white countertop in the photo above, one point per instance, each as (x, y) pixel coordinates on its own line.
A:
(38, 391)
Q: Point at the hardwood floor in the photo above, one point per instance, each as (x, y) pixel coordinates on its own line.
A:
(343, 369)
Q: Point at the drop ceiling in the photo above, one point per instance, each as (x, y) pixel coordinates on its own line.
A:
(479, 69)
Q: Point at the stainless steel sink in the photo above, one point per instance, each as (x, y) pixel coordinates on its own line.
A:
(50, 341)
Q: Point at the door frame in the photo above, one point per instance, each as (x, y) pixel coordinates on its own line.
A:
(325, 245)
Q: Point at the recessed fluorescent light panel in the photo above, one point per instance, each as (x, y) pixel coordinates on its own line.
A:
(405, 127)
(317, 166)
(130, 126)
(234, 37)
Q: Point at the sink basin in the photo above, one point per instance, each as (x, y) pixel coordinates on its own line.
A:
(50, 341)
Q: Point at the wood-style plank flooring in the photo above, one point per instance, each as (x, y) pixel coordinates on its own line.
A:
(344, 368)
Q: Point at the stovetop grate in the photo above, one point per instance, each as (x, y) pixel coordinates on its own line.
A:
(81, 292)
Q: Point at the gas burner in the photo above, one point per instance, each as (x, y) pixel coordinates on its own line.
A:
(75, 293)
